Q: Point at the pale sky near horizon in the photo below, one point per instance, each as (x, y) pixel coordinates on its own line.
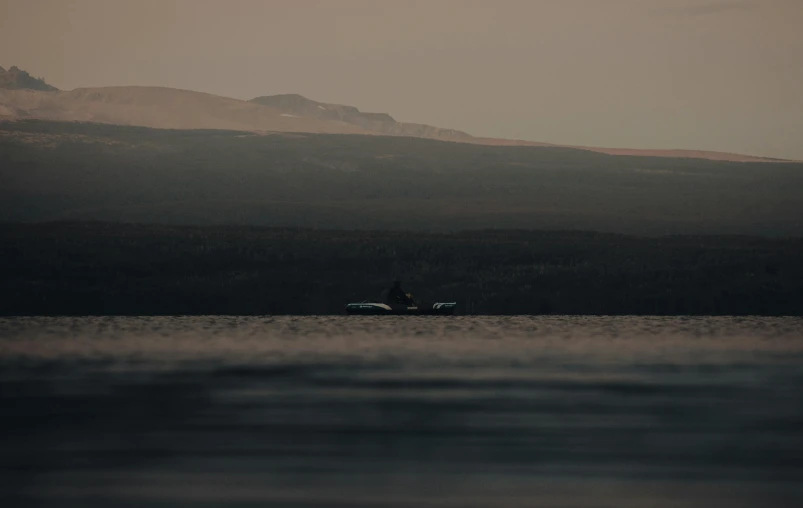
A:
(721, 75)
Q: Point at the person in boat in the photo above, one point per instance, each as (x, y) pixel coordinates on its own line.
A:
(397, 296)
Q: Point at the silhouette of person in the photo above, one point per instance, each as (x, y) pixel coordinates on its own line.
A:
(396, 295)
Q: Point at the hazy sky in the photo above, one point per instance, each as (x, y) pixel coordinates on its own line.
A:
(702, 74)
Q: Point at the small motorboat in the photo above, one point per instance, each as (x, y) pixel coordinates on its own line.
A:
(381, 309)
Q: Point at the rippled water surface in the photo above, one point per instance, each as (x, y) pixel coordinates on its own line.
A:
(394, 411)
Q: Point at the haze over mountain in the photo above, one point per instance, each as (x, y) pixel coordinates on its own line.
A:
(720, 75)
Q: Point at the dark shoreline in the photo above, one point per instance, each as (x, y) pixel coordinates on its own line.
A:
(104, 269)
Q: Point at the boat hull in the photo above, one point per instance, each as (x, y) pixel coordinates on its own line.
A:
(381, 309)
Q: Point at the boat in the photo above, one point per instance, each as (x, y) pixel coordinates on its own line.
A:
(382, 309)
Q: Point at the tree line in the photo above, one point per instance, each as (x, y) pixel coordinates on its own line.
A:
(91, 268)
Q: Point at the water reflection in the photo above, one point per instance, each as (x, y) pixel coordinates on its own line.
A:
(468, 411)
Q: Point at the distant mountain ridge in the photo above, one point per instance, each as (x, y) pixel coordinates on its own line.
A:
(380, 123)
(16, 78)
(25, 97)
(158, 107)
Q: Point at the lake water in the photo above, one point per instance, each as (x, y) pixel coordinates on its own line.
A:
(397, 412)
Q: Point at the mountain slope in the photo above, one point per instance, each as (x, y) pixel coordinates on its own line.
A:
(82, 171)
(382, 123)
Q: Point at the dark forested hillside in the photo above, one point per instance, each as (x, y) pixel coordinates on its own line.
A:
(72, 171)
(98, 268)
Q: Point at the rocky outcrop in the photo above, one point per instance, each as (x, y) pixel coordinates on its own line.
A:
(379, 123)
(16, 78)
